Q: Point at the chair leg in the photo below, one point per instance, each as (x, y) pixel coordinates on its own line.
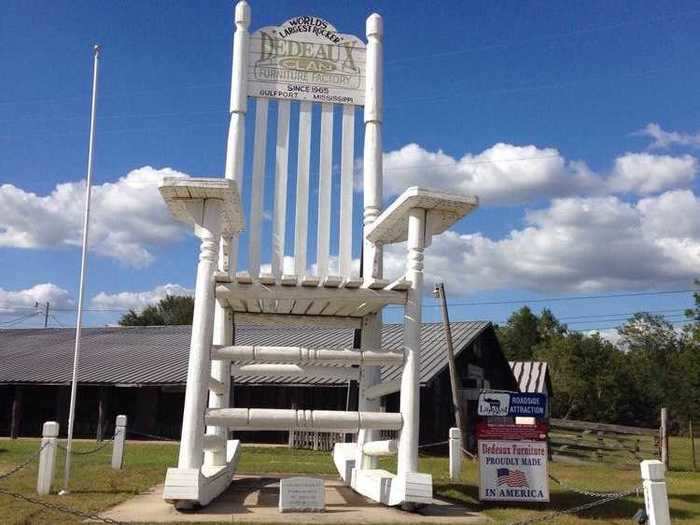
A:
(221, 372)
(371, 340)
(410, 386)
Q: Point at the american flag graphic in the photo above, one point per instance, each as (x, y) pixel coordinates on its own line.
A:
(511, 478)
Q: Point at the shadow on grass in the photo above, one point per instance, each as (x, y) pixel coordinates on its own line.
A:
(617, 509)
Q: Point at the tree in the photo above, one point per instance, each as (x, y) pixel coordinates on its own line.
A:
(171, 310)
(586, 376)
(525, 330)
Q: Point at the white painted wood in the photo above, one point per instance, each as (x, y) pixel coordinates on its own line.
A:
(387, 447)
(347, 160)
(258, 185)
(445, 209)
(325, 181)
(300, 354)
(206, 214)
(119, 441)
(216, 387)
(373, 149)
(233, 168)
(344, 458)
(382, 389)
(189, 487)
(181, 194)
(297, 320)
(390, 489)
(295, 370)
(655, 493)
(370, 338)
(314, 420)
(279, 213)
(302, 198)
(455, 448)
(410, 398)
(213, 442)
(47, 458)
(260, 291)
(219, 383)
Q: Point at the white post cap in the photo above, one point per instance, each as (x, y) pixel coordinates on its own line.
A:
(242, 16)
(455, 433)
(50, 429)
(653, 470)
(375, 26)
(121, 421)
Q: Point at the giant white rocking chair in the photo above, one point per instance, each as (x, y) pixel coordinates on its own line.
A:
(309, 295)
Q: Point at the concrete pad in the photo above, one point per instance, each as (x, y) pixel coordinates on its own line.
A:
(254, 499)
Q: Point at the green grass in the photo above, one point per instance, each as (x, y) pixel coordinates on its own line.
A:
(95, 486)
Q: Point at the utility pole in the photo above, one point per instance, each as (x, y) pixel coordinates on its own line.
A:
(439, 293)
(46, 315)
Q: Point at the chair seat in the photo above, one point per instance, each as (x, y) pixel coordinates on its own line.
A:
(332, 296)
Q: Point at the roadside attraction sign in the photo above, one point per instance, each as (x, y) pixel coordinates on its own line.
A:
(512, 455)
(513, 470)
(513, 404)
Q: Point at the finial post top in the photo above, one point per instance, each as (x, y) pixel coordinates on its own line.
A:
(243, 14)
(375, 26)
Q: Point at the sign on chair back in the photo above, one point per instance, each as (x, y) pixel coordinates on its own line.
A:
(305, 82)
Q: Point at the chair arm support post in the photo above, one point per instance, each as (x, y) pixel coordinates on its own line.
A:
(410, 380)
(207, 214)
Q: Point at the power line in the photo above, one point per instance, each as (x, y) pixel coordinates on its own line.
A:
(556, 36)
(565, 298)
(18, 320)
(59, 323)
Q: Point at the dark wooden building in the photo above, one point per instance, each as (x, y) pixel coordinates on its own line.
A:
(141, 371)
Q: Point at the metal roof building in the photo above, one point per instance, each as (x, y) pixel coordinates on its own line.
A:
(141, 372)
(158, 355)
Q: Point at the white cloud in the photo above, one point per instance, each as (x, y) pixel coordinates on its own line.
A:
(128, 217)
(138, 300)
(502, 173)
(575, 244)
(12, 301)
(507, 174)
(665, 139)
(644, 174)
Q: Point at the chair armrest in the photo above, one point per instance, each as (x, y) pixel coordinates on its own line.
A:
(178, 192)
(443, 210)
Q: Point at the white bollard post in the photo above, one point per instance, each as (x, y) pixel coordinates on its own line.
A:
(655, 496)
(455, 444)
(118, 447)
(47, 458)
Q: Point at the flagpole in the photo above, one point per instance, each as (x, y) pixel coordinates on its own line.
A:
(83, 269)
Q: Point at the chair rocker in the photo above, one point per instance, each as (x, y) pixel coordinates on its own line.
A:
(301, 294)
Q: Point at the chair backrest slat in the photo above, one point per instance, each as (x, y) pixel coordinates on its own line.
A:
(302, 198)
(298, 67)
(347, 159)
(258, 185)
(325, 174)
(279, 214)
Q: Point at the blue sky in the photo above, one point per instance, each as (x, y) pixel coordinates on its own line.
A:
(576, 123)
